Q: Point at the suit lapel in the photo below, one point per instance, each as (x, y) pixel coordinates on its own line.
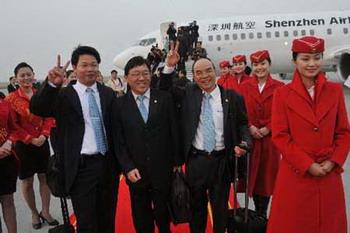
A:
(225, 105)
(254, 90)
(301, 102)
(102, 100)
(153, 106)
(323, 101)
(268, 89)
(196, 102)
(73, 97)
(133, 108)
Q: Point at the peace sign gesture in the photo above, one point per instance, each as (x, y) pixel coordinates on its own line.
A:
(173, 56)
(56, 74)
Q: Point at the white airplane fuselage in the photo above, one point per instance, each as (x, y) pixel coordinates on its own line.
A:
(225, 37)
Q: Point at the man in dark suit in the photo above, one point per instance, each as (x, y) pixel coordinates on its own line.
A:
(213, 124)
(83, 139)
(147, 146)
(12, 86)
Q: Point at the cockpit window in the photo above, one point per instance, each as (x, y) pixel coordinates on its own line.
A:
(146, 42)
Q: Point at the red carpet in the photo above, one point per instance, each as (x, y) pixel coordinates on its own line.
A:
(124, 220)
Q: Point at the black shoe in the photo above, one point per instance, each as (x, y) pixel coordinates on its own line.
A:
(52, 223)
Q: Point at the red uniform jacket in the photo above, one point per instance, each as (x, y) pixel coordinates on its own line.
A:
(265, 156)
(8, 127)
(231, 82)
(32, 126)
(308, 131)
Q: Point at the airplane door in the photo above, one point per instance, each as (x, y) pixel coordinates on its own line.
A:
(163, 36)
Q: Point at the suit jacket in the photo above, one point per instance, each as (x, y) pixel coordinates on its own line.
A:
(151, 147)
(189, 107)
(64, 105)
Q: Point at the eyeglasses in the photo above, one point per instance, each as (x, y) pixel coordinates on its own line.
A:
(139, 74)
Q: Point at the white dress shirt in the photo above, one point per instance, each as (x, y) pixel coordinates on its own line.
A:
(147, 96)
(261, 87)
(218, 117)
(89, 140)
(311, 91)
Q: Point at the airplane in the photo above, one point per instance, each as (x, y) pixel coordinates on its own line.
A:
(225, 37)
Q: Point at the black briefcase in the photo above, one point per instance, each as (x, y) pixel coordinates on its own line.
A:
(244, 220)
(66, 227)
(55, 176)
(179, 204)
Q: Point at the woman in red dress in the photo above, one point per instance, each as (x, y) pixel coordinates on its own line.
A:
(239, 65)
(258, 93)
(8, 165)
(31, 147)
(311, 129)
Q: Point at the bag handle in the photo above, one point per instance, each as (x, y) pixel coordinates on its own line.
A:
(246, 198)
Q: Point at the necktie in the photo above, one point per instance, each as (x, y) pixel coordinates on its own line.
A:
(208, 123)
(97, 122)
(142, 107)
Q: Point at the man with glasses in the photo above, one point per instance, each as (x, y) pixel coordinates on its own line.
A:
(146, 146)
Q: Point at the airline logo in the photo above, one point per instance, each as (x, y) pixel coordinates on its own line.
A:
(250, 25)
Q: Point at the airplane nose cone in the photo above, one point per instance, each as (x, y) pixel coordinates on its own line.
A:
(119, 61)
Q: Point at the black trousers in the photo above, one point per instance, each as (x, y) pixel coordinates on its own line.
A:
(149, 205)
(94, 195)
(208, 179)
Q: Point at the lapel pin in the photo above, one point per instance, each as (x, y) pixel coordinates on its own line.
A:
(155, 101)
(226, 100)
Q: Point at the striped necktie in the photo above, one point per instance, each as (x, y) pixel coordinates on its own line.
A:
(208, 123)
(142, 107)
(97, 122)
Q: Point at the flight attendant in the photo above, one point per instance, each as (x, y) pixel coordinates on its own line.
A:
(32, 146)
(239, 65)
(226, 79)
(8, 165)
(311, 129)
(258, 93)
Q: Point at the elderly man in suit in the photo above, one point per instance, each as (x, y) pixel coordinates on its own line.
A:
(213, 124)
(147, 146)
(83, 139)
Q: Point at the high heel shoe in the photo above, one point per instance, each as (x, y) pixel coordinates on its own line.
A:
(52, 223)
(38, 225)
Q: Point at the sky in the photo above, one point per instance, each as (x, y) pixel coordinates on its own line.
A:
(35, 31)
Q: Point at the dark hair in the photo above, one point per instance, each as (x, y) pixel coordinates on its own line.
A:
(114, 71)
(2, 95)
(22, 65)
(135, 61)
(295, 55)
(194, 63)
(84, 50)
(183, 72)
(11, 78)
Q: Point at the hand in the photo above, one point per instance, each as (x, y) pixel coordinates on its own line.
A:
(42, 139)
(239, 151)
(177, 169)
(134, 175)
(264, 131)
(327, 166)
(57, 74)
(4, 152)
(316, 170)
(7, 145)
(255, 132)
(173, 56)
